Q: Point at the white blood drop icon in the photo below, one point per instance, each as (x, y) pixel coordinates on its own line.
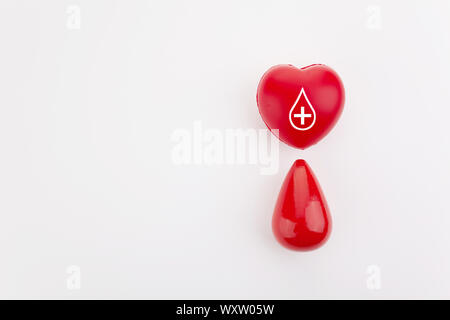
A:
(302, 115)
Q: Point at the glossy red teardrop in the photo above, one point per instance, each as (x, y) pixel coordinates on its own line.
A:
(301, 219)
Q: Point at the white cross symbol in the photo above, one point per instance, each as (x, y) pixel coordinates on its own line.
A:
(302, 115)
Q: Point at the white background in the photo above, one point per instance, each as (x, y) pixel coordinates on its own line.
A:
(87, 178)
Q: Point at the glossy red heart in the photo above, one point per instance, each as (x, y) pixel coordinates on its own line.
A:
(301, 219)
(303, 104)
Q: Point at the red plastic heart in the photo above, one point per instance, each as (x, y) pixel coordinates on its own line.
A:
(303, 104)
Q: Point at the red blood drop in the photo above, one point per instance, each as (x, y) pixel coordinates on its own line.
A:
(301, 220)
